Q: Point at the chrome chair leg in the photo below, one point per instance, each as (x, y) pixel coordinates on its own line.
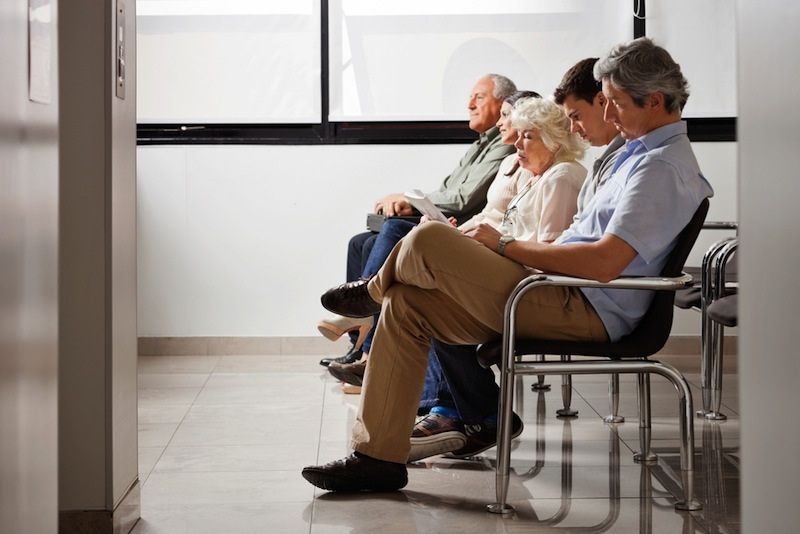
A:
(707, 291)
(613, 400)
(566, 393)
(713, 414)
(645, 455)
(504, 418)
(706, 359)
(689, 502)
(641, 368)
(539, 385)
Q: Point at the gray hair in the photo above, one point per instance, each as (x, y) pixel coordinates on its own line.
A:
(640, 68)
(503, 87)
(549, 119)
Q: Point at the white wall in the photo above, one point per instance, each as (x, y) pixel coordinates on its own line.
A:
(242, 240)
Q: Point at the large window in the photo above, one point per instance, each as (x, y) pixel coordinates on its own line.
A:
(417, 59)
(228, 61)
(705, 46)
(342, 71)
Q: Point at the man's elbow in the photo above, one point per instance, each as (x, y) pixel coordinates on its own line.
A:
(608, 271)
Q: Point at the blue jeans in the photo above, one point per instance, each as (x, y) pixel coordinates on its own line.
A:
(358, 250)
(435, 391)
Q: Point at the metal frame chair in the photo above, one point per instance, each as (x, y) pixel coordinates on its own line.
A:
(700, 299)
(694, 297)
(713, 333)
(627, 355)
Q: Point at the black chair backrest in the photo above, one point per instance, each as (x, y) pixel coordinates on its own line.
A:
(687, 237)
(656, 325)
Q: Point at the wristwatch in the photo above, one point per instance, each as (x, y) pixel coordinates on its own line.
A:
(501, 245)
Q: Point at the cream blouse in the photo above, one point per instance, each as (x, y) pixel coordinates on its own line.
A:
(545, 205)
(500, 193)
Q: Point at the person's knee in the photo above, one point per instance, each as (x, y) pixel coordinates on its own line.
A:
(397, 228)
(400, 303)
(429, 235)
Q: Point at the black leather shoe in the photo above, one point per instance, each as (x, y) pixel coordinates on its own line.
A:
(357, 472)
(349, 373)
(352, 356)
(351, 300)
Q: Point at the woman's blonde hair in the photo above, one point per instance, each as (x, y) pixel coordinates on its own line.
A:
(547, 117)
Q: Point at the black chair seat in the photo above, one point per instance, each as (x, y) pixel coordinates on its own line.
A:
(645, 340)
(725, 311)
(689, 298)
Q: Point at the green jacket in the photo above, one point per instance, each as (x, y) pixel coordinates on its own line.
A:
(463, 193)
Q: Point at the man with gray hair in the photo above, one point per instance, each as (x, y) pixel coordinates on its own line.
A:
(628, 228)
(462, 194)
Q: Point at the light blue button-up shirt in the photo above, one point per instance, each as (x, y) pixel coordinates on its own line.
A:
(654, 190)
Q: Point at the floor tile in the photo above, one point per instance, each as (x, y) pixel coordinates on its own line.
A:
(168, 395)
(261, 487)
(162, 413)
(238, 458)
(148, 456)
(171, 380)
(177, 364)
(248, 425)
(284, 518)
(156, 434)
(269, 364)
(222, 441)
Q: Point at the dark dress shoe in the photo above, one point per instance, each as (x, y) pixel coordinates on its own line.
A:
(357, 472)
(349, 373)
(352, 356)
(351, 300)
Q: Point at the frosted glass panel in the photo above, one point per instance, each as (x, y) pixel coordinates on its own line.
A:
(701, 36)
(418, 59)
(228, 61)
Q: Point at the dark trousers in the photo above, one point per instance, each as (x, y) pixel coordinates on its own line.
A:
(472, 388)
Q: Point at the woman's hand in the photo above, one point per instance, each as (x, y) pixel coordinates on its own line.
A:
(486, 235)
(451, 220)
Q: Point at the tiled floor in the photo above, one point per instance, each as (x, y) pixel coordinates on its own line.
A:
(222, 440)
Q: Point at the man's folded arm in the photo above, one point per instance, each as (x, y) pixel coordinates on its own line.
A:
(602, 260)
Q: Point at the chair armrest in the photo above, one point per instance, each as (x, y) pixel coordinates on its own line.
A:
(652, 283)
(720, 225)
(649, 283)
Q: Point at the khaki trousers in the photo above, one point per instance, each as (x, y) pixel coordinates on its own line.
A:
(439, 284)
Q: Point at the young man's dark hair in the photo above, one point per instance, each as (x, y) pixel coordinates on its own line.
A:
(579, 81)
